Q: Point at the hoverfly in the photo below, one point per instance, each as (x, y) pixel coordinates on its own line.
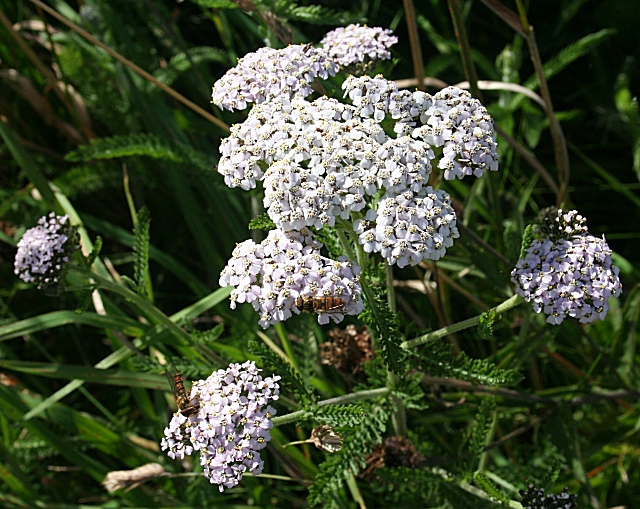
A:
(317, 305)
(185, 407)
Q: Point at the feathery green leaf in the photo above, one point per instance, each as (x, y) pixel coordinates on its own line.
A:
(141, 253)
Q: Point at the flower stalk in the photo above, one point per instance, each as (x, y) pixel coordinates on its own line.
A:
(508, 304)
(340, 400)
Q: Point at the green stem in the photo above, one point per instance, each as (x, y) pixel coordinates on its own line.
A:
(286, 344)
(391, 293)
(508, 304)
(346, 245)
(399, 417)
(360, 256)
(469, 488)
(340, 400)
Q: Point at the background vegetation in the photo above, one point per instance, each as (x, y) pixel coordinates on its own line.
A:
(111, 141)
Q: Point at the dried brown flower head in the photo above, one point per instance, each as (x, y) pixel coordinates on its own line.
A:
(392, 452)
(347, 349)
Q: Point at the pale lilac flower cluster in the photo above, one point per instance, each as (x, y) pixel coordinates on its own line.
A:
(232, 423)
(354, 44)
(269, 73)
(43, 251)
(570, 274)
(285, 267)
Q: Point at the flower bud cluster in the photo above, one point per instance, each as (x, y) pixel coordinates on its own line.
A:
(571, 276)
(269, 73)
(561, 226)
(285, 268)
(535, 498)
(355, 44)
(44, 250)
(232, 423)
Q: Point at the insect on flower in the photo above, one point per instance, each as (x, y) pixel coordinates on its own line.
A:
(317, 305)
(185, 407)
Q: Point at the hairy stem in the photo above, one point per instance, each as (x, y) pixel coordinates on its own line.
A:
(508, 304)
(340, 400)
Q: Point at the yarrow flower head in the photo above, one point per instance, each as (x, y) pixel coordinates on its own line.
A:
(324, 162)
(269, 73)
(277, 275)
(232, 423)
(462, 126)
(356, 44)
(43, 251)
(410, 227)
(571, 275)
(534, 498)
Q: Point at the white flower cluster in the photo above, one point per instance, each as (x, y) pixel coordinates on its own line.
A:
(44, 250)
(325, 160)
(285, 268)
(232, 423)
(269, 73)
(354, 44)
(571, 275)
(409, 229)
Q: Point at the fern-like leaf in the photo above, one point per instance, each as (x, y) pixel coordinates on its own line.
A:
(262, 222)
(182, 62)
(384, 327)
(289, 377)
(527, 239)
(141, 144)
(487, 485)
(436, 360)
(318, 15)
(124, 146)
(208, 336)
(330, 241)
(338, 415)
(482, 428)
(141, 253)
(485, 327)
(358, 443)
(87, 179)
(407, 487)
(216, 4)
(97, 247)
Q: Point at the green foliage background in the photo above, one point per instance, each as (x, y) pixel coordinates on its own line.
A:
(76, 403)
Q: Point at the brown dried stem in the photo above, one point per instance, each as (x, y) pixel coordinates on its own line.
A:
(465, 48)
(521, 25)
(414, 40)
